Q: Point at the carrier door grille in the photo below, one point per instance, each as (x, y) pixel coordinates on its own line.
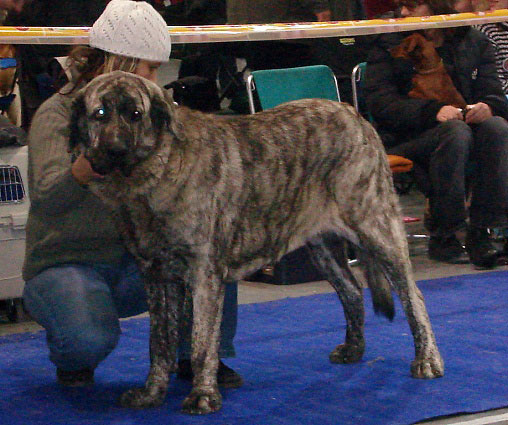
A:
(11, 185)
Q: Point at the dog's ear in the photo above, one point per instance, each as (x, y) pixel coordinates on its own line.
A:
(407, 47)
(162, 113)
(78, 124)
(412, 43)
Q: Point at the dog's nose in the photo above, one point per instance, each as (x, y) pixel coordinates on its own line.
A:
(117, 151)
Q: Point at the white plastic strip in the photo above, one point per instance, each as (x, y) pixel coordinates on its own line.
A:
(487, 420)
(254, 32)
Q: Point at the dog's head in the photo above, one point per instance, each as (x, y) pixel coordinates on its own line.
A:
(419, 50)
(118, 120)
(7, 69)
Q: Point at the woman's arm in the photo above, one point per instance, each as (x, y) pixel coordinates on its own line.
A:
(387, 82)
(53, 188)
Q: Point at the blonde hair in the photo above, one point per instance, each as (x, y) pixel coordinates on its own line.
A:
(114, 62)
(91, 62)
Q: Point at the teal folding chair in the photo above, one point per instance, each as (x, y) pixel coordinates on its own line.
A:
(273, 87)
(357, 80)
(276, 86)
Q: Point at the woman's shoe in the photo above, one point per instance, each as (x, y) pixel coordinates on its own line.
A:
(482, 253)
(75, 378)
(447, 250)
(226, 377)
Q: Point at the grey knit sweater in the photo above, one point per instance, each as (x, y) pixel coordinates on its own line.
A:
(66, 223)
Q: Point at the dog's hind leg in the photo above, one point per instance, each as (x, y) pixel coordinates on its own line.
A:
(329, 254)
(383, 238)
(165, 303)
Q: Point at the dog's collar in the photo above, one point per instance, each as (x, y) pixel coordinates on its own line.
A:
(431, 70)
(8, 63)
(5, 101)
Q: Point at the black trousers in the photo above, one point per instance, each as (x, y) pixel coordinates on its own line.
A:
(452, 152)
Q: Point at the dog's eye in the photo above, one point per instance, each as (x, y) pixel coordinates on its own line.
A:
(99, 114)
(136, 115)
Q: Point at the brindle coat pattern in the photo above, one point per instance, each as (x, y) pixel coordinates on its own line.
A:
(203, 200)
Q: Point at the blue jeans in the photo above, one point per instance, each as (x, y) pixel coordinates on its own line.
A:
(79, 305)
(444, 152)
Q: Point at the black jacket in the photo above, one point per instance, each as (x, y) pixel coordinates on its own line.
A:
(470, 61)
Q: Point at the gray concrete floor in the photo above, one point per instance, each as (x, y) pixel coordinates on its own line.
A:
(253, 292)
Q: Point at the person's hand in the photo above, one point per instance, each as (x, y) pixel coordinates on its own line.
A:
(478, 113)
(324, 16)
(83, 172)
(449, 112)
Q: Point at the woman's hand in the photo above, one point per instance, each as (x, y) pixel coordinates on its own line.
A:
(83, 172)
(478, 113)
(449, 112)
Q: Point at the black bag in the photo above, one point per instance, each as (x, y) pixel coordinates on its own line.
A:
(196, 93)
(294, 267)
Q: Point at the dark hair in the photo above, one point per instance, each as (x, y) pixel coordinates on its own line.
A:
(437, 7)
(441, 7)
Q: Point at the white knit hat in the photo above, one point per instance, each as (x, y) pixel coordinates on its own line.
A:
(133, 29)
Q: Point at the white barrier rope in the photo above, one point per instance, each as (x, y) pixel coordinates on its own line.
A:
(258, 32)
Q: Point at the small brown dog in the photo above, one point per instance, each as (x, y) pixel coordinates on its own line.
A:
(7, 51)
(431, 80)
(8, 84)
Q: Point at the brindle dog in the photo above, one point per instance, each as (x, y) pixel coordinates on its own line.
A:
(203, 199)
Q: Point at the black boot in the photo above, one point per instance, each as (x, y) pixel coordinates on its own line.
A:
(482, 253)
(447, 249)
(75, 378)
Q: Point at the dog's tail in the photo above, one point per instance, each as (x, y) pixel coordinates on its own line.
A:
(380, 290)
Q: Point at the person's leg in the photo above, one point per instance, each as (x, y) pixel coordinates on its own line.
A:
(444, 152)
(489, 200)
(74, 304)
(128, 289)
(447, 170)
(229, 321)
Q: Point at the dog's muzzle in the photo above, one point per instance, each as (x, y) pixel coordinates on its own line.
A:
(105, 161)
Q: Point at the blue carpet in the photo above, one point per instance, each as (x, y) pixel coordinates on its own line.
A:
(283, 351)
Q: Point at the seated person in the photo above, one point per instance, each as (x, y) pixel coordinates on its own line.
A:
(442, 139)
(497, 32)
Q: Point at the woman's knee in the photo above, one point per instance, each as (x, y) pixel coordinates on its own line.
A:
(456, 137)
(493, 131)
(456, 129)
(75, 307)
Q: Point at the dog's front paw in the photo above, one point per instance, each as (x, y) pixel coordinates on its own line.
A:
(141, 398)
(347, 353)
(202, 402)
(428, 368)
